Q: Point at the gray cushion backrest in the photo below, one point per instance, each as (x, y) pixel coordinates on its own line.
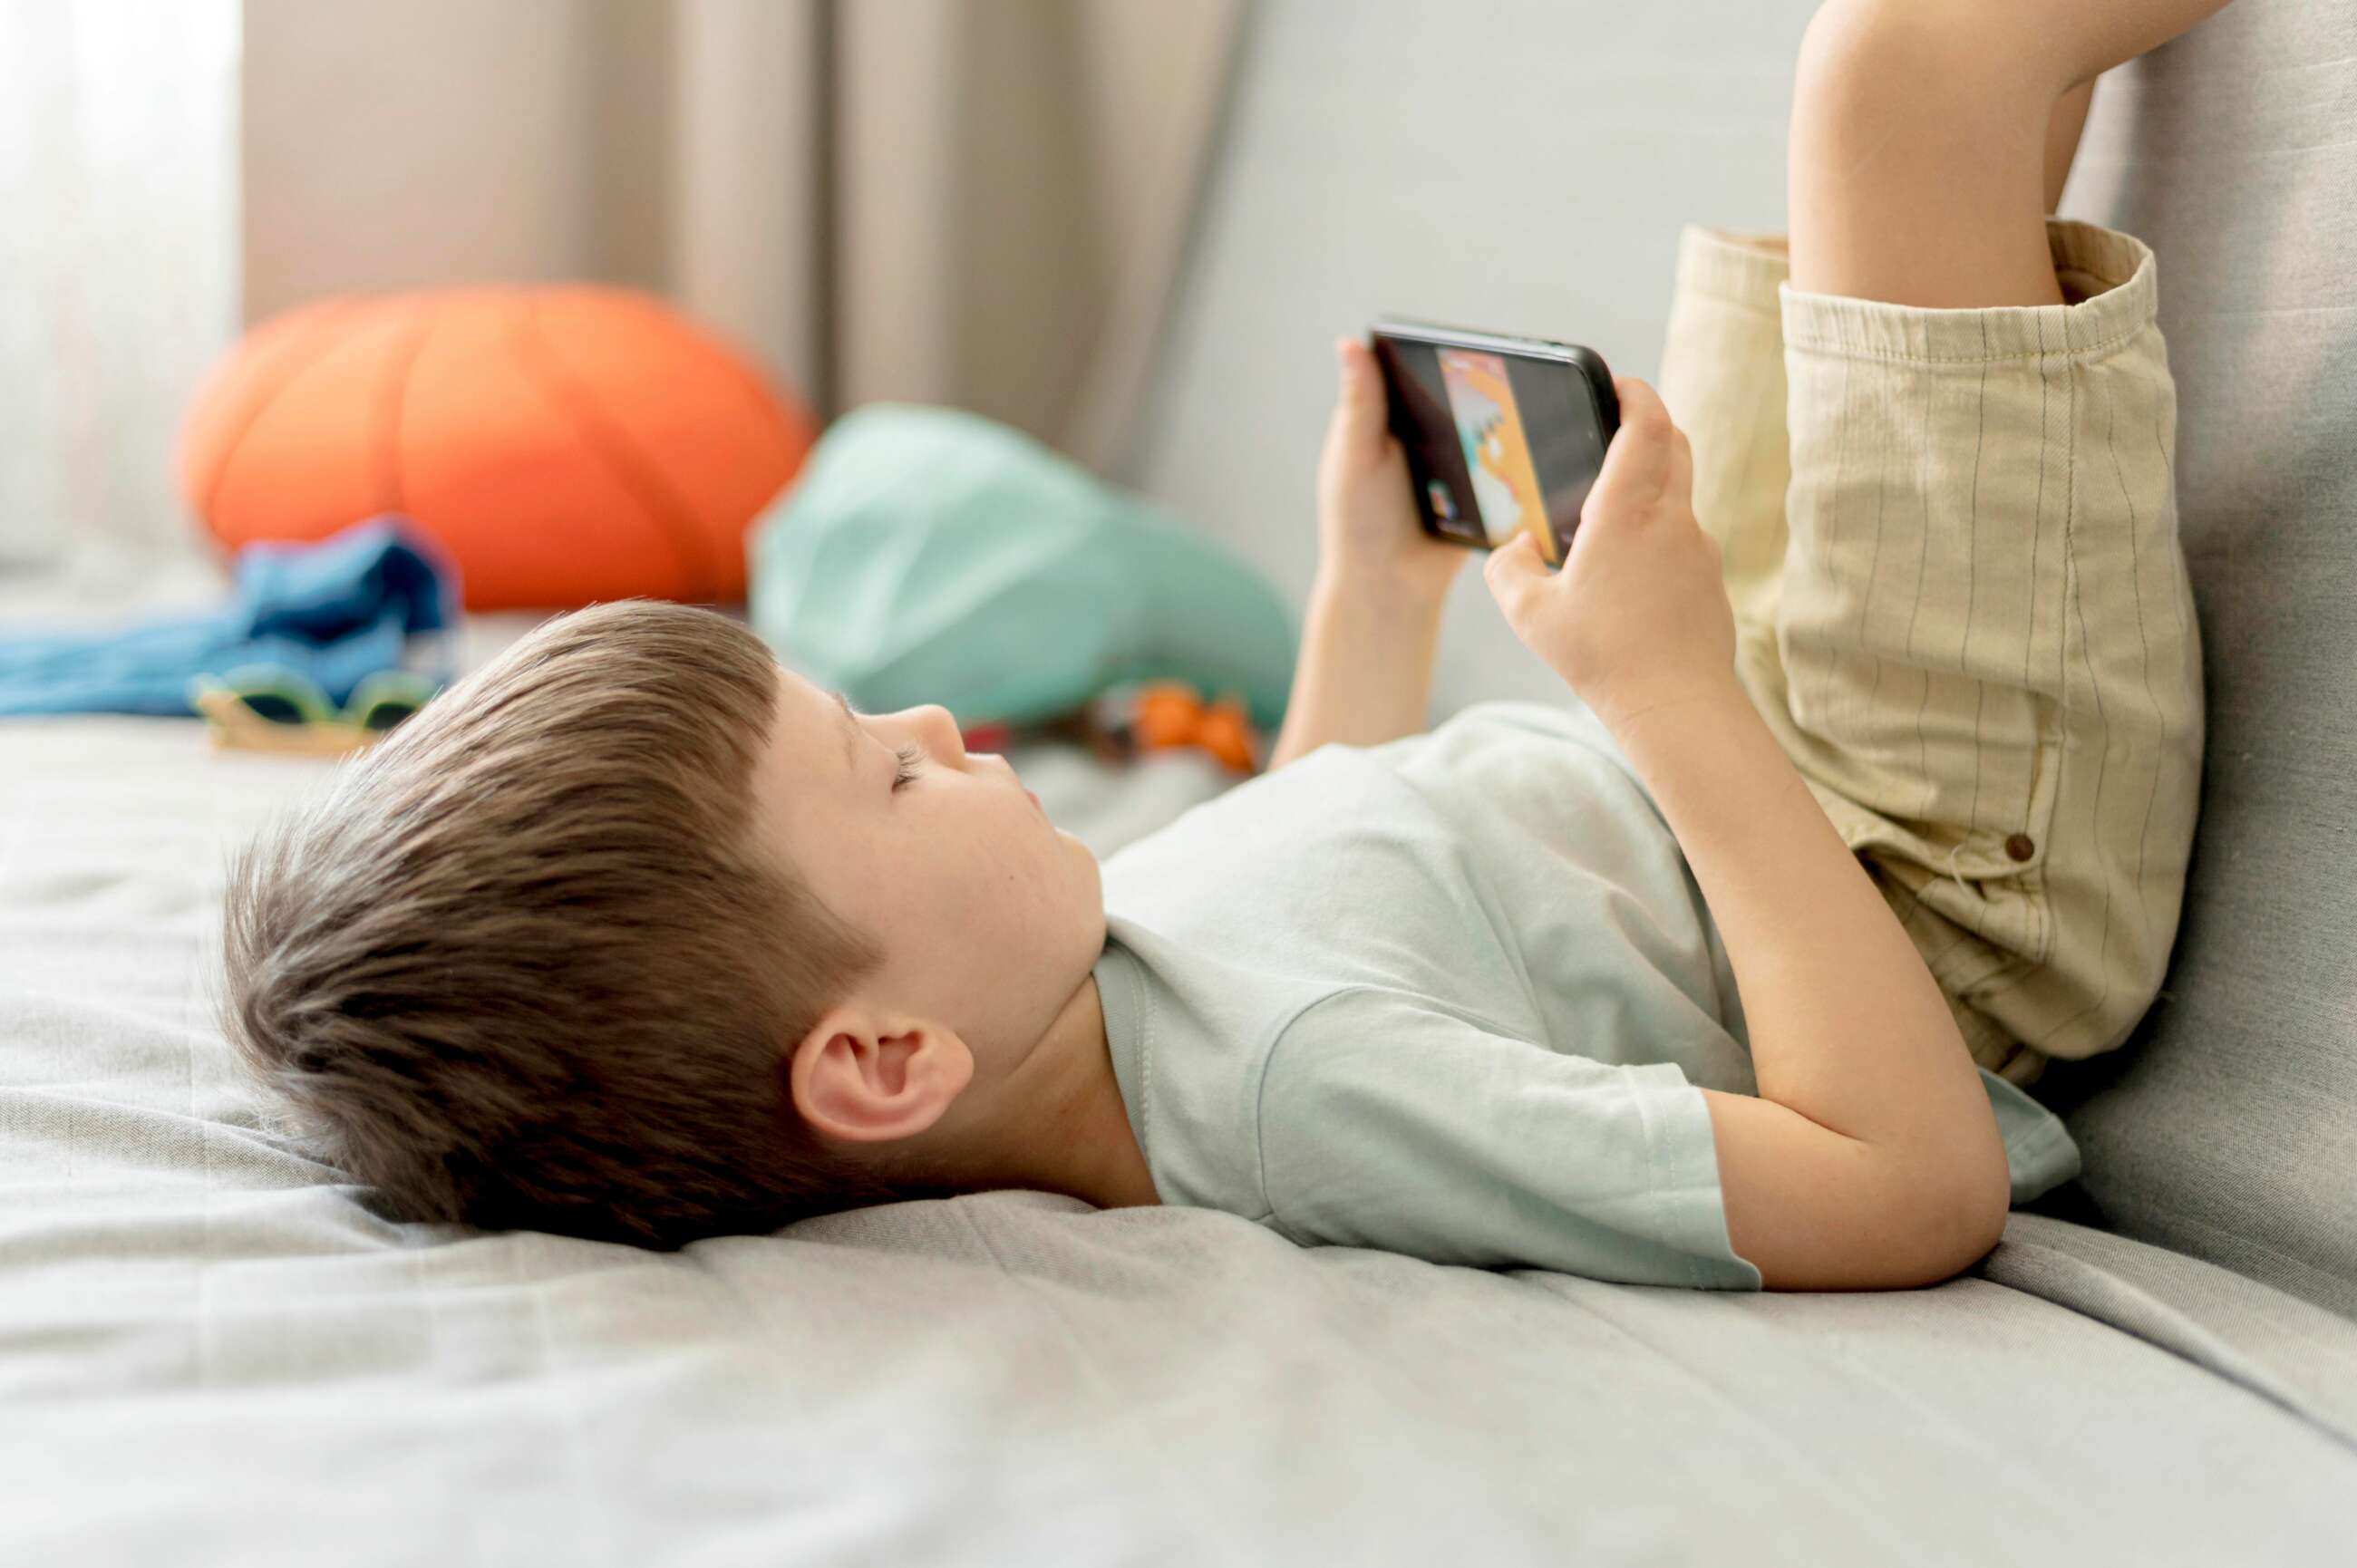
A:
(2228, 1127)
(1530, 173)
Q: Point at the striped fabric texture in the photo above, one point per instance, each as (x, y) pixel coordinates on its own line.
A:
(1950, 541)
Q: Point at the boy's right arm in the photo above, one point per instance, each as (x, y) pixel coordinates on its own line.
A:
(1871, 1157)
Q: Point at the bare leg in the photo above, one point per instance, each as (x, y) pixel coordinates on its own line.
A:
(1926, 133)
(2062, 138)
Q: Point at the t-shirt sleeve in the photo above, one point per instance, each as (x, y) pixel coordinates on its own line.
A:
(1388, 1122)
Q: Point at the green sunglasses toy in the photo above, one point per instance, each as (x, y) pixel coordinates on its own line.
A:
(274, 707)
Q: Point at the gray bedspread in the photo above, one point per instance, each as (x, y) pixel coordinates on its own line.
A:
(210, 1352)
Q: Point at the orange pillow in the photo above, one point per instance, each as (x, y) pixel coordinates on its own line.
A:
(564, 445)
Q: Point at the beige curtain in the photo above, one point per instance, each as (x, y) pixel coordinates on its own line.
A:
(978, 202)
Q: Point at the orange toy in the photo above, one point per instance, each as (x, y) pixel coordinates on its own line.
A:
(565, 444)
(1170, 713)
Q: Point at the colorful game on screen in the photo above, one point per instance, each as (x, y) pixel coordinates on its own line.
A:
(1497, 453)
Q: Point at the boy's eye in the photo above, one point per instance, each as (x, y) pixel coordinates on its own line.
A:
(909, 755)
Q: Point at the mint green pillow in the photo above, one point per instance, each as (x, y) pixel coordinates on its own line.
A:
(930, 556)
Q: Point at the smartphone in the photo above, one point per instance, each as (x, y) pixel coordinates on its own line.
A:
(1504, 434)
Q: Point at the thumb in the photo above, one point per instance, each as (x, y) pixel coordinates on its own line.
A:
(1360, 415)
(1511, 569)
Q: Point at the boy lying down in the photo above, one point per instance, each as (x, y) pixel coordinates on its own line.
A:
(1877, 795)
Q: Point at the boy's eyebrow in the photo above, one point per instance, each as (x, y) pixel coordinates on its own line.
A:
(850, 731)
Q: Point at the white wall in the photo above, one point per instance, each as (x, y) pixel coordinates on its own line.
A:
(1526, 175)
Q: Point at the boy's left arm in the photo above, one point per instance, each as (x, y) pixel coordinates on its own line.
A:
(1364, 673)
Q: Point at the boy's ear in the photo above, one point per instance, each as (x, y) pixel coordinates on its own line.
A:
(863, 1077)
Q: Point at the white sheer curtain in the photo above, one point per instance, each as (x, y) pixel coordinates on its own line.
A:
(118, 271)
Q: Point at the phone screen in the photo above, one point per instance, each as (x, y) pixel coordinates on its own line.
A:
(1497, 443)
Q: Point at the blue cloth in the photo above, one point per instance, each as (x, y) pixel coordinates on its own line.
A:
(338, 610)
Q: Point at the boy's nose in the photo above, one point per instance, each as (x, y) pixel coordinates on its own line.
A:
(943, 732)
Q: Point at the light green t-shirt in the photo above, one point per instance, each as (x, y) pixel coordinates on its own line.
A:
(1455, 996)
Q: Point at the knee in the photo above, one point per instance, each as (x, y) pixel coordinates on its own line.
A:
(1935, 55)
(2044, 48)
(1870, 68)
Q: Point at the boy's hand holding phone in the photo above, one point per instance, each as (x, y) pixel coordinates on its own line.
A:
(1369, 541)
(1638, 618)
(1372, 623)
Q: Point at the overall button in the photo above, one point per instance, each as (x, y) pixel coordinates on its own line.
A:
(2021, 846)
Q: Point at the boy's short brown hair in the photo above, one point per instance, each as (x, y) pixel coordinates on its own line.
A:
(521, 965)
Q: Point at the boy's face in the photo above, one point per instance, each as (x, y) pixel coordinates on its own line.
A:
(990, 917)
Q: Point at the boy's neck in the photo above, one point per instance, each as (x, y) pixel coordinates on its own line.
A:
(1074, 1134)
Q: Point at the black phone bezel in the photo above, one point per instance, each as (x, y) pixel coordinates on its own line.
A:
(1603, 399)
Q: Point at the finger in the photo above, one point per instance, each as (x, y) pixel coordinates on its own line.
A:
(1358, 412)
(1637, 464)
(1680, 485)
(1512, 568)
(1363, 380)
(1639, 402)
